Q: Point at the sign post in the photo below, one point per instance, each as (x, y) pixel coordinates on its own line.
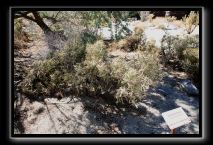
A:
(175, 118)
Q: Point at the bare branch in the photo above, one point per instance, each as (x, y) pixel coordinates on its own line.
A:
(20, 14)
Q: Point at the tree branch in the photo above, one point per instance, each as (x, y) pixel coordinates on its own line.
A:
(20, 14)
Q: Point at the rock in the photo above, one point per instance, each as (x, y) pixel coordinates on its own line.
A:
(188, 87)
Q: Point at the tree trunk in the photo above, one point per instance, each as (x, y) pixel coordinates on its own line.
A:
(53, 38)
(41, 23)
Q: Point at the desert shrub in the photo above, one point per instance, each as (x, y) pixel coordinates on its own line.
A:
(46, 76)
(18, 28)
(149, 46)
(172, 47)
(139, 30)
(38, 79)
(96, 53)
(163, 27)
(192, 41)
(88, 37)
(191, 21)
(150, 17)
(87, 72)
(118, 67)
(129, 44)
(171, 18)
(132, 42)
(20, 37)
(144, 15)
(191, 63)
(133, 86)
(136, 76)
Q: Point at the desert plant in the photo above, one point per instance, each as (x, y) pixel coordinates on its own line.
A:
(150, 17)
(88, 37)
(136, 76)
(132, 42)
(46, 76)
(149, 46)
(171, 18)
(95, 53)
(191, 21)
(144, 15)
(191, 63)
(20, 36)
(173, 46)
(163, 27)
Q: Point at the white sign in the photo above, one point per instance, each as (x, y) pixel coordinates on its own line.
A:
(176, 118)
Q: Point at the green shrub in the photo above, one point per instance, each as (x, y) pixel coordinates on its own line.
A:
(88, 37)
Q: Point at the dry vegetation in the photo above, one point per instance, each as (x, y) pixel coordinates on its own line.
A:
(83, 66)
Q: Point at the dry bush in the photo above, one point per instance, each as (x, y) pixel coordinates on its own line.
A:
(46, 76)
(172, 47)
(96, 52)
(150, 17)
(136, 76)
(191, 63)
(178, 23)
(87, 72)
(118, 67)
(21, 38)
(133, 86)
(132, 42)
(150, 46)
(171, 18)
(191, 22)
(161, 26)
(185, 54)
